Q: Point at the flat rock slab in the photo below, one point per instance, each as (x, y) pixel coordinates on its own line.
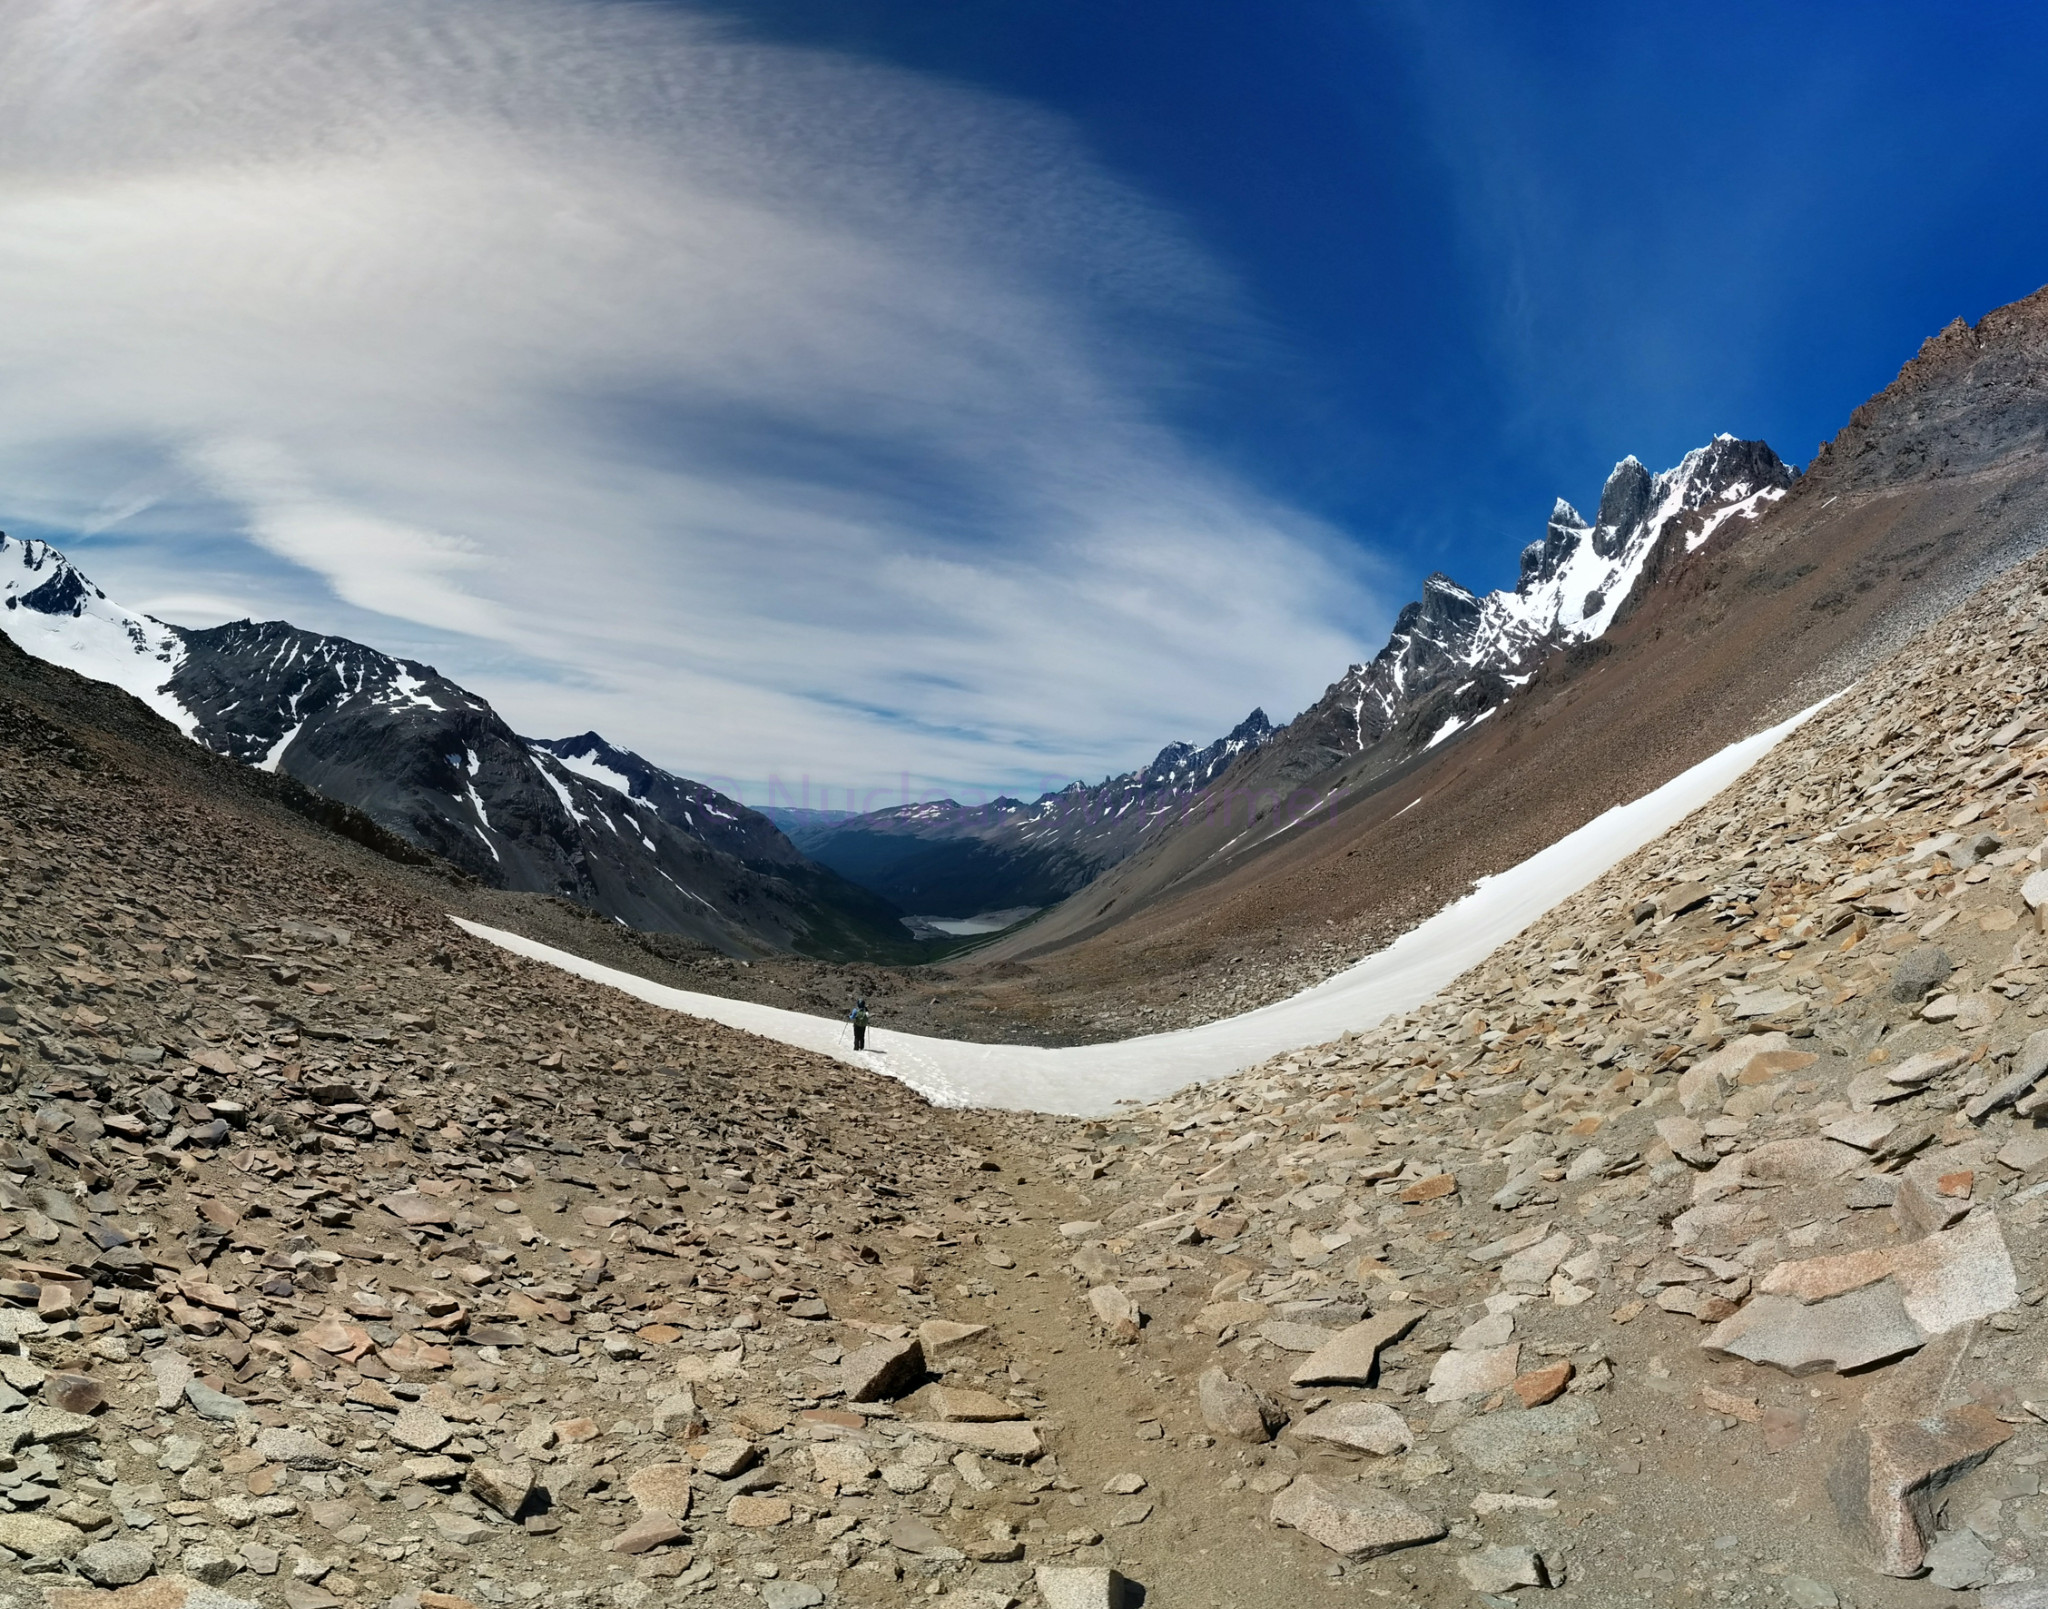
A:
(1945, 1280)
(2015, 1595)
(420, 1428)
(1008, 1441)
(1218, 1316)
(939, 1335)
(1794, 1163)
(1352, 1356)
(1700, 1086)
(211, 1404)
(961, 1405)
(1887, 1480)
(171, 1370)
(725, 1457)
(1289, 1336)
(48, 1424)
(654, 1531)
(842, 1461)
(1496, 1329)
(41, 1536)
(300, 1449)
(1531, 1267)
(1458, 1375)
(417, 1211)
(2025, 1151)
(1848, 1332)
(1358, 1521)
(758, 1513)
(1864, 1130)
(1371, 1427)
(120, 1562)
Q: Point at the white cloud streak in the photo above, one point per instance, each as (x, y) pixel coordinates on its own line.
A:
(780, 414)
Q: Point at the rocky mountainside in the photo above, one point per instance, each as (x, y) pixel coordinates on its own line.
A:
(942, 858)
(437, 765)
(1933, 486)
(1686, 1250)
(1454, 658)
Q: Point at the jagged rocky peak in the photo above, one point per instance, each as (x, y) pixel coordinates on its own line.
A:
(1444, 605)
(1625, 502)
(1561, 538)
(1637, 506)
(1182, 765)
(1572, 586)
(1253, 730)
(46, 581)
(603, 762)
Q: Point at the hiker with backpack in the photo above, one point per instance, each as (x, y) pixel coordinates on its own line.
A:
(858, 1016)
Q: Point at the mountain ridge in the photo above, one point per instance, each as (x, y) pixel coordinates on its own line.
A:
(941, 858)
(436, 764)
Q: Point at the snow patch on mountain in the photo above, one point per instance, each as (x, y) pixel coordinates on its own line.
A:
(589, 765)
(544, 763)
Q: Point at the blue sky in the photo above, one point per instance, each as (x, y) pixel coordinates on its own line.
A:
(1493, 248)
(944, 396)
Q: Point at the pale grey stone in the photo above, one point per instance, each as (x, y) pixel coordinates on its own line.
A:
(40, 1536)
(1081, 1586)
(1356, 1520)
(420, 1428)
(1845, 1332)
(1372, 1427)
(1352, 1355)
(1959, 1560)
(172, 1370)
(1232, 1408)
(118, 1563)
(1919, 970)
(300, 1449)
(882, 1371)
(1502, 1569)
(211, 1404)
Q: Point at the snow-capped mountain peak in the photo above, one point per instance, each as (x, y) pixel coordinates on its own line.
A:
(1573, 585)
(56, 614)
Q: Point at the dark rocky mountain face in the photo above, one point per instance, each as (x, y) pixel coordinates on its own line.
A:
(947, 859)
(435, 764)
(1971, 398)
(690, 807)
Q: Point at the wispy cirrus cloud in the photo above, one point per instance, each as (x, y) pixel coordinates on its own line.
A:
(771, 412)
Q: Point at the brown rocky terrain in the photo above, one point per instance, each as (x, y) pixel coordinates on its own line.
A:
(1686, 1251)
(1931, 487)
